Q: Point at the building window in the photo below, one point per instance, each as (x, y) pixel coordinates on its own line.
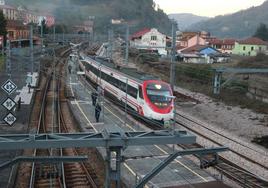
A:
(244, 48)
(153, 37)
(260, 49)
(252, 48)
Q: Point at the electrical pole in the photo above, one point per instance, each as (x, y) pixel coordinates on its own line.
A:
(173, 53)
(42, 35)
(126, 103)
(8, 62)
(127, 45)
(62, 37)
(3, 48)
(112, 43)
(31, 48)
(110, 39)
(42, 31)
(54, 33)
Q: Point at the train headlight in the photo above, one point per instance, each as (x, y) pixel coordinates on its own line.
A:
(157, 86)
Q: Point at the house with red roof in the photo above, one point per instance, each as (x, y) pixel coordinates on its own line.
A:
(223, 45)
(149, 39)
(190, 38)
(250, 47)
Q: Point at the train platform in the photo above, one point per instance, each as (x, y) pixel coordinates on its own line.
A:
(181, 172)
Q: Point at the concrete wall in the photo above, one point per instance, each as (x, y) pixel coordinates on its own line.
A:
(196, 40)
(258, 94)
(258, 87)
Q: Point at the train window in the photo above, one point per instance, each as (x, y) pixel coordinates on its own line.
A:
(133, 92)
(122, 86)
(117, 83)
(159, 95)
(140, 92)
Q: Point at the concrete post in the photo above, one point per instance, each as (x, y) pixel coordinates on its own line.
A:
(127, 44)
(126, 102)
(173, 54)
(41, 34)
(3, 48)
(110, 40)
(31, 48)
(54, 33)
(8, 61)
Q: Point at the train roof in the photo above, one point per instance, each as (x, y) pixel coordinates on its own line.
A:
(132, 72)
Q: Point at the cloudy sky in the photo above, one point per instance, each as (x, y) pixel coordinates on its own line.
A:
(206, 8)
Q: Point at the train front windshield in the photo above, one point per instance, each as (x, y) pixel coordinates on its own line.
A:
(159, 95)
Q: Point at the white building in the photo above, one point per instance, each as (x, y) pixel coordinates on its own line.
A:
(149, 39)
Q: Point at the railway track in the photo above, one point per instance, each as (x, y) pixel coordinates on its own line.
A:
(227, 167)
(75, 174)
(44, 175)
(52, 119)
(58, 175)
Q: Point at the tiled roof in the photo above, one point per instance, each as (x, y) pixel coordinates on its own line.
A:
(140, 33)
(253, 41)
(215, 41)
(193, 49)
(229, 41)
(6, 7)
(222, 42)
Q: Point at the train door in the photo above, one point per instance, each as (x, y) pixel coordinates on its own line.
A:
(140, 100)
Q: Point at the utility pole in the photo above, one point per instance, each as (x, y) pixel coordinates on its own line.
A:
(173, 53)
(88, 38)
(62, 37)
(127, 45)
(110, 47)
(8, 62)
(126, 103)
(54, 33)
(42, 35)
(3, 48)
(31, 48)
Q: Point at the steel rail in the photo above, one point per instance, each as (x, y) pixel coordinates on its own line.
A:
(254, 180)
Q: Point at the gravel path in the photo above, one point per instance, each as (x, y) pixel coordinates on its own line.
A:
(239, 124)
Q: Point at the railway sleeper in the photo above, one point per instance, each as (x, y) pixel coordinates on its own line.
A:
(77, 182)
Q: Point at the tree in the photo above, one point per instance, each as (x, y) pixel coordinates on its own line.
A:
(262, 32)
(3, 25)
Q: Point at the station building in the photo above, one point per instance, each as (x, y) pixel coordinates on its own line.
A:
(149, 39)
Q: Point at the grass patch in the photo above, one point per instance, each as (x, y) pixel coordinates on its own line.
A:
(201, 73)
(199, 78)
(259, 61)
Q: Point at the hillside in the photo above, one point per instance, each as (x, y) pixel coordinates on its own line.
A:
(140, 13)
(185, 20)
(239, 25)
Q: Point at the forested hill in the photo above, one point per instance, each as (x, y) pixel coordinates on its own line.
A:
(185, 20)
(139, 13)
(239, 25)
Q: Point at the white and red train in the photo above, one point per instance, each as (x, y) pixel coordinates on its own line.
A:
(148, 96)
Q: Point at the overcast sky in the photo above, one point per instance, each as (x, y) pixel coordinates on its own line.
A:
(209, 8)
